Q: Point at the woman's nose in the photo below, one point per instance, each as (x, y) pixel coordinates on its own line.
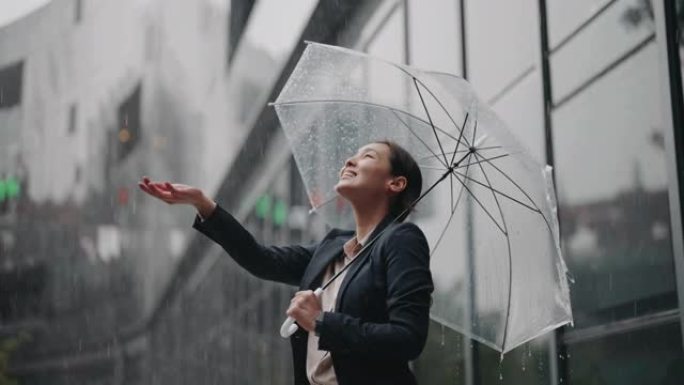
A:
(349, 162)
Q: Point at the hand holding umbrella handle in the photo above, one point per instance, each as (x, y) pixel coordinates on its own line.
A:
(289, 327)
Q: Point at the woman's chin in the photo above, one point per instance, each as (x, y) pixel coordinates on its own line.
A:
(343, 187)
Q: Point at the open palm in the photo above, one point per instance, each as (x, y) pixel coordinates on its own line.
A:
(171, 193)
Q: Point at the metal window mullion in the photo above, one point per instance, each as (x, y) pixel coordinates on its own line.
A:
(665, 15)
(557, 368)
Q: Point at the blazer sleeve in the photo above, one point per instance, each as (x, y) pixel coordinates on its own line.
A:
(409, 290)
(276, 263)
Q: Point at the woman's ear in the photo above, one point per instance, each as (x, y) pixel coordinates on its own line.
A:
(397, 184)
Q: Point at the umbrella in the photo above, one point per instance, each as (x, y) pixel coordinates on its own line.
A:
(488, 207)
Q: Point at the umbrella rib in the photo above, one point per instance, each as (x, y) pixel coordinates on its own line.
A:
(460, 136)
(475, 131)
(427, 112)
(480, 161)
(451, 216)
(509, 178)
(499, 192)
(546, 221)
(451, 188)
(418, 137)
(481, 205)
(344, 101)
(464, 150)
(510, 259)
(431, 94)
(432, 168)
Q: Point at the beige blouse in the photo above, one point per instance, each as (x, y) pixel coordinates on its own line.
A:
(319, 365)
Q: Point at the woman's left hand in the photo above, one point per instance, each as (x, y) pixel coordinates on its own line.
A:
(305, 308)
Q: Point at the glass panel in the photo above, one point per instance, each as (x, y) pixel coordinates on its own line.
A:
(564, 17)
(443, 360)
(607, 39)
(435, 24)
(502, 44)
(612, 187)
(650, 356)
(522, 109)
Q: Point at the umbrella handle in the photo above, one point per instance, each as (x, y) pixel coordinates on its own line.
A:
(289, 327)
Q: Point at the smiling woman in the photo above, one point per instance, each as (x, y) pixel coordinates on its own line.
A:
(370, 316)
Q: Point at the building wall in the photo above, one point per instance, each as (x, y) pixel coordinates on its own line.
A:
(110, 91)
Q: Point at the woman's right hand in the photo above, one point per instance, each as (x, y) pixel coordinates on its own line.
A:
(176, 193)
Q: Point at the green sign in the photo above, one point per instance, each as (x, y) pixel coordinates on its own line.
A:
(9, 188)
(13, 187)
(263, 206)
(279, 213)
(268, 208)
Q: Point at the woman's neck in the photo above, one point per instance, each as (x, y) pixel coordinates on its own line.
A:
(367, 218)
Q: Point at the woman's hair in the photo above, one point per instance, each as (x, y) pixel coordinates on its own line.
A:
(403, 164)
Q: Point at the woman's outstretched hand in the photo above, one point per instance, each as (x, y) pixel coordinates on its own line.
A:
(176, 193)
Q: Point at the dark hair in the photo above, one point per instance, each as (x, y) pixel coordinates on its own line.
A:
(403, 164)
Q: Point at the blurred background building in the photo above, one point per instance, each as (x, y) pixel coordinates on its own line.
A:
(100, 284)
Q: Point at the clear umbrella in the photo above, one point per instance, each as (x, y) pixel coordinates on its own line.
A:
(488, 207)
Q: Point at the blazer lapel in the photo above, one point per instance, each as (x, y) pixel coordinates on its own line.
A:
(318, 265)
(356, 265)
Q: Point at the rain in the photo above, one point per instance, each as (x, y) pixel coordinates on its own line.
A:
(100, 283)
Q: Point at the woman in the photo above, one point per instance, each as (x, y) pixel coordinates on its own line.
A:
(373, 319)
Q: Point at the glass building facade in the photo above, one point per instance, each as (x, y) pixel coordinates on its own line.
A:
(101, 285)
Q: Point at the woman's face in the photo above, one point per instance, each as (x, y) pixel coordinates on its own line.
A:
(367, 174)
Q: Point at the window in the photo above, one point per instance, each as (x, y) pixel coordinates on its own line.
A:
(11, 78)
(613, 199)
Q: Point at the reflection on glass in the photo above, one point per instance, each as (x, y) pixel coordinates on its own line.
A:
(608, 39)
(443, 359)
(565, 17)
(650, 356)
(612, 188)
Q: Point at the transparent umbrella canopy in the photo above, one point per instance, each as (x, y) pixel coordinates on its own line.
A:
(489, 209)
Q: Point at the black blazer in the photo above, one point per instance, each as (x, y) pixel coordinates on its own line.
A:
(382, 312)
